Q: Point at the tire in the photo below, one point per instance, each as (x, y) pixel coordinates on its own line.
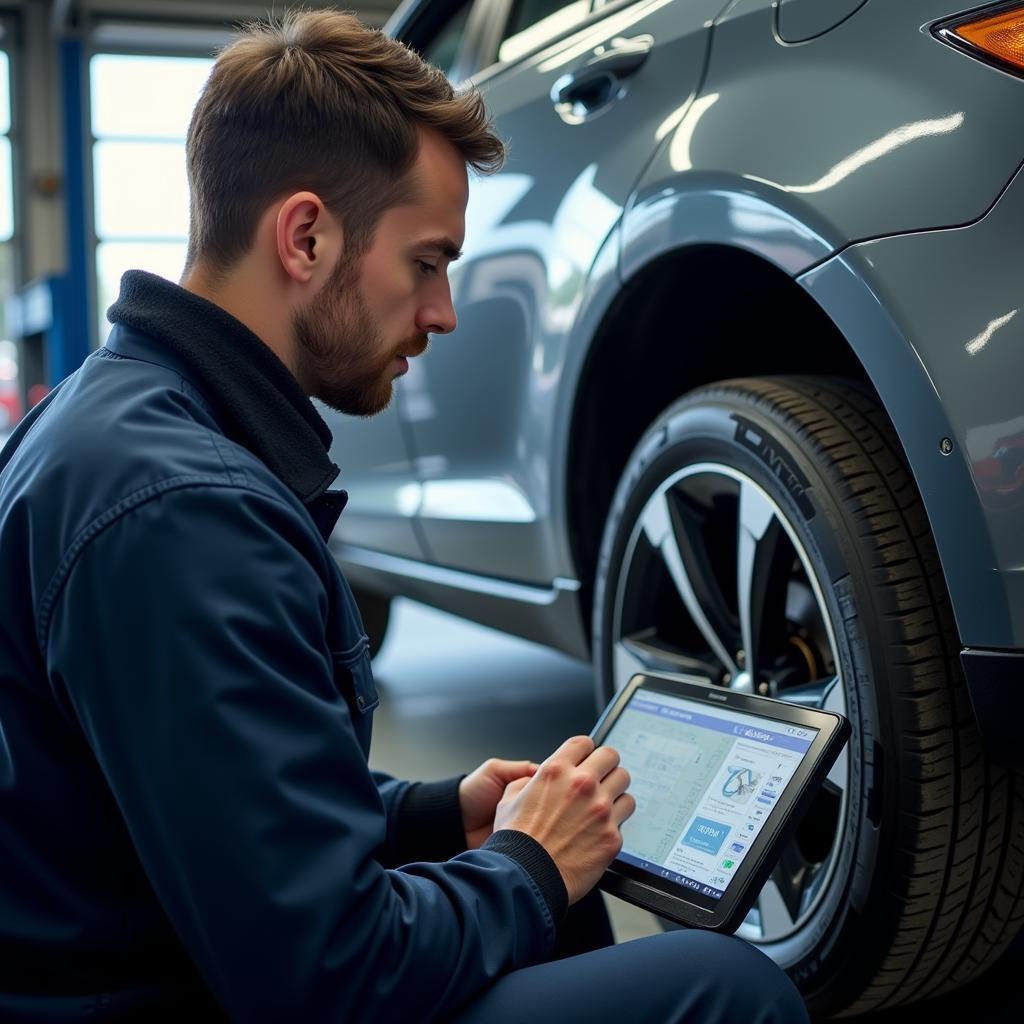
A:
(375, 610)
(905, 879)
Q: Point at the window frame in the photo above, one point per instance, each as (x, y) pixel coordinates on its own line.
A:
(599, 9)
(149, 45)
(414, 19)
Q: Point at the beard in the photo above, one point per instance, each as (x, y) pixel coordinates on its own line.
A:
(343, 358)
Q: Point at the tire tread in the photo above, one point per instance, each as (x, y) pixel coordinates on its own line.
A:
(954, 921)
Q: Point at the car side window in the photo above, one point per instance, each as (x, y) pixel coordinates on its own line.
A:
(531, 23)
(443, 49)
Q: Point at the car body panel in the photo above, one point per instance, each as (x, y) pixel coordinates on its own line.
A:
(481, 407)
(800, 20)
(945, 358)
(900, 133)
(373, 453)
(378, 474)
(548, 615)
(891, 163)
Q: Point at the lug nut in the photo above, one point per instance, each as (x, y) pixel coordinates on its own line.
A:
(726, 679)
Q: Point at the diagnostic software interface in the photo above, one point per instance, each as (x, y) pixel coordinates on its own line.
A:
(705, 781)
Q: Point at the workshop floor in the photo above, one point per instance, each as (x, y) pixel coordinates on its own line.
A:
(454, 694)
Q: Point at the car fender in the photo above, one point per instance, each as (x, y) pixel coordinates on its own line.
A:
(903, 347)
(874, 128)
(846, 290)
(934, 318)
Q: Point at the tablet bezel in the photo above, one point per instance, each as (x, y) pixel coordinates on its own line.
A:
(673, 901)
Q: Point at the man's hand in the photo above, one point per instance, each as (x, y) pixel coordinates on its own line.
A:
(480, 792)
(573, 806)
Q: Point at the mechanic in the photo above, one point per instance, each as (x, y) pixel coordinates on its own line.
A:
(188, 825)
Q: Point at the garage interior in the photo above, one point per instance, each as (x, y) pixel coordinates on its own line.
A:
(452, 693)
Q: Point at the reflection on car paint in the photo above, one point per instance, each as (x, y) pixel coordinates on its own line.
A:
(977, 343)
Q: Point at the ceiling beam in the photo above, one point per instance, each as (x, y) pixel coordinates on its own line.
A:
(205, 12)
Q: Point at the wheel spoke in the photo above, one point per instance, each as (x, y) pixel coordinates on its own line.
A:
(791, 876)
(838, 776)
(762, 567)
(659, 524)
(626, 663)
(820, 693)
(756, 515)
(643, 652)
(776, 919)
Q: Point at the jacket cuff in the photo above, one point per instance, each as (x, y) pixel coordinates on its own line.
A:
(430, 822)
(537, 862)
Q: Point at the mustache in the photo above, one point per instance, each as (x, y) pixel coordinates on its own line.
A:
(414, 346)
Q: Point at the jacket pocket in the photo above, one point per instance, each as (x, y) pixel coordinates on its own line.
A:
(354, 676)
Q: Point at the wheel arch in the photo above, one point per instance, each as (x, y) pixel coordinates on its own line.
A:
(846, 288)
(711, 311)
(691, 316)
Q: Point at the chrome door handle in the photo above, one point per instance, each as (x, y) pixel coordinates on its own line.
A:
(598, 81)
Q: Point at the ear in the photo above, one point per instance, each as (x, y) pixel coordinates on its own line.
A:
(308, 238)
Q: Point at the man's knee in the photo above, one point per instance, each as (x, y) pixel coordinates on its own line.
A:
(743, 983)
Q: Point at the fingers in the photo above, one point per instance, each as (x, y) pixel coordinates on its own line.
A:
(622, 808)
(573, 806)
(508, 771)
(601, 762)
(517, 786)
(575, 750)
(616, 782)
(580, 750)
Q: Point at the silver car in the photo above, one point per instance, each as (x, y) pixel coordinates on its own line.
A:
(738, 392)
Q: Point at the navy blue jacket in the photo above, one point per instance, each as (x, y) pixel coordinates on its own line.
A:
(187, 818)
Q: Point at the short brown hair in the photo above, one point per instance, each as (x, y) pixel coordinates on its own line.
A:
(318, 102)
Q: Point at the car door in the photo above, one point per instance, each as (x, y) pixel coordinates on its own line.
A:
(376, 467)
(582, 96)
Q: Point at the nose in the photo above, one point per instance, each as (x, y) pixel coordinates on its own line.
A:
(437, 315)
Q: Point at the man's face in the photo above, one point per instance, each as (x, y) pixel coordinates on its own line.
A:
(376, 312)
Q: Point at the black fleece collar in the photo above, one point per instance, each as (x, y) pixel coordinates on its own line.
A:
(265, 409)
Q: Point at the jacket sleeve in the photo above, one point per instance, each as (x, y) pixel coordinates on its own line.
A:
(189, 640)
(424, 820)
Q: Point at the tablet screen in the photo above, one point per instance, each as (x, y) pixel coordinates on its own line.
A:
(705, 781)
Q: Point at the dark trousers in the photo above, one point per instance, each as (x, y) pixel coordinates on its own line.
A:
(681, 976)
(690, 976)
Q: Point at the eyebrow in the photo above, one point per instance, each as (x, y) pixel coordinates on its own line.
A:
(444, 245)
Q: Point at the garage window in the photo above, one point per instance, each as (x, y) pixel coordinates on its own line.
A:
(141, 107)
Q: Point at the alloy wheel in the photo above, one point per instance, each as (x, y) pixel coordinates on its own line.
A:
(715, 583)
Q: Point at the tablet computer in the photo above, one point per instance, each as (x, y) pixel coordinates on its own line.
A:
(721, 779)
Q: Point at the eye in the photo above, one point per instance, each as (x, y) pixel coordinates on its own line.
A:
(425, 268)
